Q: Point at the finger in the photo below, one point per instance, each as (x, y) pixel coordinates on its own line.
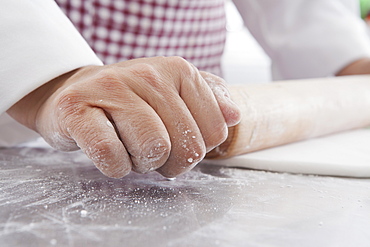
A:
(229, 109)
(187, 144)
(205, 110)
(193, 90)
(97, 138)
(142, 132)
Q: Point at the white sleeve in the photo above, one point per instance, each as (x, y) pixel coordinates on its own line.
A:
(37, 44)
(307, 38)
(13, 133)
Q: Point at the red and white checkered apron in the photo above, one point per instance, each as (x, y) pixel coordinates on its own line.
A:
(118, 30)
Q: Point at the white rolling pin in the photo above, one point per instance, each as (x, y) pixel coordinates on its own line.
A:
(284, 112)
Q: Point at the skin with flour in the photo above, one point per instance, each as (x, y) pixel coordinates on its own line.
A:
(78, 110)
(142, 115)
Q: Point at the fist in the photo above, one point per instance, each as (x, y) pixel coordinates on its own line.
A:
(140, 115)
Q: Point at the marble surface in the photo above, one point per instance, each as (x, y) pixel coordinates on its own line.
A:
(50, 198)
(343, 154)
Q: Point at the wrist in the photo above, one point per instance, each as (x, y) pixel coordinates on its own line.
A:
(26, 109)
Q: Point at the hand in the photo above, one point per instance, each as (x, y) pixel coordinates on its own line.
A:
(142, 115)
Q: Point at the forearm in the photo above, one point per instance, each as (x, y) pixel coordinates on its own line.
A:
(38, 43)
(307, 39)
(358, 67)
(25, 110)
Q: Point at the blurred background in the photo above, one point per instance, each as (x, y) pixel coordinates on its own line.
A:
(244, 60)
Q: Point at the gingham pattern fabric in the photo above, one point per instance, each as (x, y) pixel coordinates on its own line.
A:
(118, 30)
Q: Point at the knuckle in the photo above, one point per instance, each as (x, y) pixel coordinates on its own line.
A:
(180, 63)
(99, 144)
(152, 155)
(177, 60)
(156, 147)
(69, 103)
(69, 97)
(96, 147)
(109, 80)
(146, 72)
(102, 152)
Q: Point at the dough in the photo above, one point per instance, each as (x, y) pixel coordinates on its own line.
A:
(344, 154)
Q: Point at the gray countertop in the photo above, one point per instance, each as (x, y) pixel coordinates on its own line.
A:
(50, 198)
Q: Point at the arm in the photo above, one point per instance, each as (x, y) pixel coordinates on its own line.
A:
(142, 115)
(308, 38)
(358, 67)
(38, 43)
(146, 114)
